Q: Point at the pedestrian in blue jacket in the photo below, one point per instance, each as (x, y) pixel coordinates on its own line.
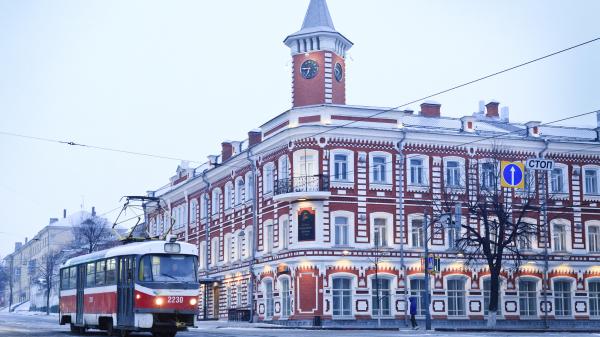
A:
(413, 312)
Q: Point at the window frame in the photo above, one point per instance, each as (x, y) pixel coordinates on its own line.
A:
(345, 296)
(350, 168)
(268, 178)
(525, 296)
(461, 308)
(388, 165)
(565, 298)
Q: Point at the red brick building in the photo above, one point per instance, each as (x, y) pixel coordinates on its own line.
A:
(316, 208)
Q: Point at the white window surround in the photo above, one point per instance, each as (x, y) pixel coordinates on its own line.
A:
(249, 242)
(248, 187)
(353, 285)
(268, 239)
(572, 287)
(590, 195)
(202, 255)
(268, 178)
(413, 186)
(214, 251)
(460, 188)
(349, 182)
(392, 290)
(239, 191)
(387, 184)
(567, 226)
(203, 206)
(494, 175)
(284, 232)
(283, 167)
(564, 193)
(216, 201)
(466, 282)
(281, 297)
(228, 196)
(589, 245)
(351, 225)
(411, 217)
(227, 247)
(194, 212)
(389, 226)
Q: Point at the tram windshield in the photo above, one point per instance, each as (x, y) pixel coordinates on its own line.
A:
(168, 268)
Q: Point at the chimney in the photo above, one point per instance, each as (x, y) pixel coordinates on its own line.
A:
(254, 137)
(481, 107)
(64, 213)
(25, 241)
(492, 109)
(18, 246)
(504, 114)
(226, 151)
(213, 161)
(430, 109)
(533, 129)
(93, 210)
(53, 220)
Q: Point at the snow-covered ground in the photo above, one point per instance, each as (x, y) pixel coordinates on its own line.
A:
(35, 324)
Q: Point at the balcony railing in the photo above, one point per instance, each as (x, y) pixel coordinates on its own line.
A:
(315, 183)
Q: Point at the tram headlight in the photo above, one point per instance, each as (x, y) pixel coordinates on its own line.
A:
(159, 301)
(193, 301)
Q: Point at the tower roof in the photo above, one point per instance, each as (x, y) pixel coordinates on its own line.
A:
(317, 15)
(318, 22)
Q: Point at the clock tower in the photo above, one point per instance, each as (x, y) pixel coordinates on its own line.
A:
(318, 57)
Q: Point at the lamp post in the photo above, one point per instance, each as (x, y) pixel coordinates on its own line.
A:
(427, 281)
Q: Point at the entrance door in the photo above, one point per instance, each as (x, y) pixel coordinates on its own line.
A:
(216, 302)
(81, 274)
(125, 288)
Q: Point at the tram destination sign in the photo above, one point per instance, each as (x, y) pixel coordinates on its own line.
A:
(540, 164)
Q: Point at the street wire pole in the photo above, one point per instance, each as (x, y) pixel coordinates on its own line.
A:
(402, 233)
(547, 235)
(427, 283)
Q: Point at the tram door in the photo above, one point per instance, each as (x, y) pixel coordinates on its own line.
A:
(81, 274)
(125, 289)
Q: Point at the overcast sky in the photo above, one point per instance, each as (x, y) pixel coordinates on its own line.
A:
(175, 78)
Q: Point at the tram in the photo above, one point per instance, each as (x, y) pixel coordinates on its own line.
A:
(149, 286)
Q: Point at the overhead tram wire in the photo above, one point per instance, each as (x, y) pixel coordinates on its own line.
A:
(109, 149)
(71, 143)
(360, 119)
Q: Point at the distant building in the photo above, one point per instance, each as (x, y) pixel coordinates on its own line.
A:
(23, 264)
(330, 196)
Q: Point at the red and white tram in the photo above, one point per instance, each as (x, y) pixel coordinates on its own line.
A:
(144, 286)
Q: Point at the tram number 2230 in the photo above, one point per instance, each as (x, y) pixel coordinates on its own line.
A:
(175, 299)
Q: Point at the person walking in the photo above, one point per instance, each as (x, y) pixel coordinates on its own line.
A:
(413, 312)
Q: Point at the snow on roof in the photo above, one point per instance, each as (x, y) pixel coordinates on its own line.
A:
(74, 219)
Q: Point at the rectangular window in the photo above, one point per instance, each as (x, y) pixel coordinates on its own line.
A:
(416, 172)
(452, 174)
(487, 285)
(284, 234)
(487, 175)
(556, 180)
(286, 309)
(562, 298)
(380, 233)
(340, 232)
(379, 170)
(594, 239)
(417, 289)
(560, 238)
(268, 183)
(100, 273)
(456, 298)
(417, 233)
(594, 293)
(591, 182)
(269, 299)
(64, 279)
(91, 275)
(238, 294)
(342, 297)
(340, 167)
(239, 190)
(527, 298)
(381, 296)
(268, 239)
(111, 271)
(72, 277)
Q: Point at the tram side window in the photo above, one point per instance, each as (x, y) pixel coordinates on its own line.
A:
(64, 279)
(100, 272)
(91, 274)
(111, 271)
(72, 277)
(145, 269)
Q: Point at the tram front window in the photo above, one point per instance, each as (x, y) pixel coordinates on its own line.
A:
(168, 268)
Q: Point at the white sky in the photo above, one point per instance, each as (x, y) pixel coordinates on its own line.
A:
(176, 78)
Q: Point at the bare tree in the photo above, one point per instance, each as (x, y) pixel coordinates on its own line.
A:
(495, 233)
(92, 234)
(47, 274)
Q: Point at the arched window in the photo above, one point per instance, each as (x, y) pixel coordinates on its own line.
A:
(284, 230)
(528, 297)
(286, 309)
(216, 201)
(456, 297)
(342, 297)
(268, 177)
(562, 298)
(269, 298)
(194, 211)
(239, 191)
(228, 195)
(249, 187)
(381, 296)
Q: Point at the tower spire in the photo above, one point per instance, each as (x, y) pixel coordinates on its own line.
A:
(317, 15)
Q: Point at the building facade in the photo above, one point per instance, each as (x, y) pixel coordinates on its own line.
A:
(319, 216)
(25, 263)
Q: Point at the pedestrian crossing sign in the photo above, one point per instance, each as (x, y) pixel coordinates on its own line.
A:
(512, 174)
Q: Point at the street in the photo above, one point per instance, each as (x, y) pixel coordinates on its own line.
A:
(29, 324)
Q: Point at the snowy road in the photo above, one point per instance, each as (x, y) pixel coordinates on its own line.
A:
(25, 324)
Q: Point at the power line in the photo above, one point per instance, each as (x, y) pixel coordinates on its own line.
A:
(96, 147)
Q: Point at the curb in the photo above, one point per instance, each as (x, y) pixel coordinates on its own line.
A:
(516, 330)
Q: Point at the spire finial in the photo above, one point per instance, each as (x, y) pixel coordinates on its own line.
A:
(317, 15)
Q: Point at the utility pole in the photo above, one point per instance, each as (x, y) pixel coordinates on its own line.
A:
(546, 243)
(254, 233)
(427, 283)
(400, 186)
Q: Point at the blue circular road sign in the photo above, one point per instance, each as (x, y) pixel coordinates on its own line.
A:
(512, 174)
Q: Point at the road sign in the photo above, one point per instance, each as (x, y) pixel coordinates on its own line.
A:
(512, 174)
(540, 164)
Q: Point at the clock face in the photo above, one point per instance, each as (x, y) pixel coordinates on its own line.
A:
(309, 69)
(339, 72)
